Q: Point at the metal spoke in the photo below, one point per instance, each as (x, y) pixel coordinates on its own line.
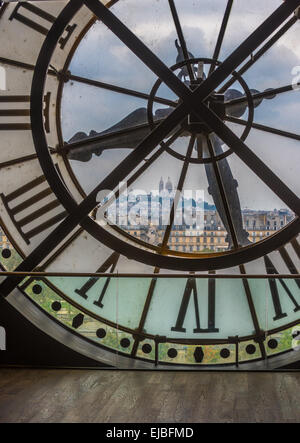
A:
(152, 286)
(78, 213)
(218, 76)
(138, 48)
(236, 245)
(120, 90)
(223, 194)
(139, 332)
(91, 82)
(264, 128)
(221, 36)
(258, 331)
(179, 189)
(181, 38)
(254, 58)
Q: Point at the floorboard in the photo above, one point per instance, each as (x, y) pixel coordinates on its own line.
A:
(28, 395)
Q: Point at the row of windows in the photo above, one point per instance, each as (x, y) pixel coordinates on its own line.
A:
(267, 224)
(198, 234)
(198, 248)
(180, 236)
(198, 240)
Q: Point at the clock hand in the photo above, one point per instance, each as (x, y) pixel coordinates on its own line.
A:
(180, 58)
(264, 128)
(124, 34)
(229, 185)
(236, 103)
(182, 50)
(126, 134)
(221, 183)
(121, 140)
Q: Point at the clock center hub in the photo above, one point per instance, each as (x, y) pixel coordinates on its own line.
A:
(216, 103)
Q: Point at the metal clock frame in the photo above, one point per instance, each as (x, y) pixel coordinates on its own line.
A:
(78, 214)
(87, 223)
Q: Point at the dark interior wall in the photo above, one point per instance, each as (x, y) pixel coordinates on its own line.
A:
(26, 345)
(292, 366)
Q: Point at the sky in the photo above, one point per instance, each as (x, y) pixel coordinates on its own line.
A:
(103, 57)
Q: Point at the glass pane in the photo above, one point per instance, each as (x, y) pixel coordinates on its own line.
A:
(263, 212)
(232, 316)
(119, 301)
(245, 18)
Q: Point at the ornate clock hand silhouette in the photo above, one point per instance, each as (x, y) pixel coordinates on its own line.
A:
(136, 124)
(180, 58)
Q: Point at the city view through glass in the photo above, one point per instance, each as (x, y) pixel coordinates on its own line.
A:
(191, 156)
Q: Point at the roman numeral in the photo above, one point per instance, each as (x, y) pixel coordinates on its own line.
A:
(47, 98)
(36, 12)
(110, 264)
(296, 247)
(14, 209)
(289, 264)
(14, 112)
(21, 112)
(190, 288)
(279, 314)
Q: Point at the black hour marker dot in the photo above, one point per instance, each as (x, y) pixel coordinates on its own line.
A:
(199, 354)
(6, 253)
(172, 353)
(37, 289)
(125, 343)
(225, 353)
(101, 333)
(56, 306)
(146, 348)
(273, 343)
(250, 349)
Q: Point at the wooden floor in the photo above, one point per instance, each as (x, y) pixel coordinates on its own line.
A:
(159, 397)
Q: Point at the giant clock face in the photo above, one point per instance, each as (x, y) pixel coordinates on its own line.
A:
(104, 103)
